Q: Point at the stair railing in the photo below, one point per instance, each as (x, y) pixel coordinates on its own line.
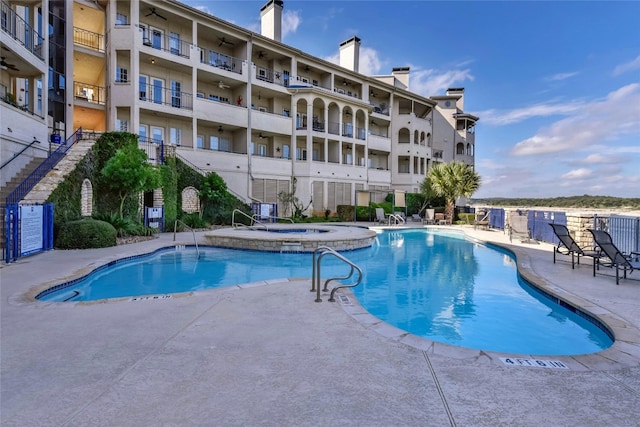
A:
(34, 177)
(15, 156)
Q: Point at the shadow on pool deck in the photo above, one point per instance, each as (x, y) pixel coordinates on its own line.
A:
(267, 354)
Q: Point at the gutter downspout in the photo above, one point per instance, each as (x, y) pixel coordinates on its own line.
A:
(249, 111)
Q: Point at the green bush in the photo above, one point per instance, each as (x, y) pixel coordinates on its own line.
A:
(193, 220)
(85, 234)
(466, 218)
(124, 226)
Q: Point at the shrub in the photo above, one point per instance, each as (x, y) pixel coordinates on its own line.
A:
(85, 234)
(194, 220)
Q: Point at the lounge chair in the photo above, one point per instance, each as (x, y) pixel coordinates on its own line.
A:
(380, 216)
(612, 257)
(568, 246)
(518, 228)
(442, 219)
(429, 216)
(481, 220)
(416, 218)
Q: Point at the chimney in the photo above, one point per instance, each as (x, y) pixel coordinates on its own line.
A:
(271, 20)
(457, 91)
(350, 54)
(402, 75)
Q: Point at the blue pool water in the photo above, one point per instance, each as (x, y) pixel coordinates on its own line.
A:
(441, 287)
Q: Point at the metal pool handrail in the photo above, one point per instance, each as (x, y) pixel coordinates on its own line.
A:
(254, 221)
(397, 219)
(315, 272)
(175, 227)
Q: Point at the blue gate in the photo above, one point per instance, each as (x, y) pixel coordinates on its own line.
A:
(496, 218)
(539, 224)
(28, 230)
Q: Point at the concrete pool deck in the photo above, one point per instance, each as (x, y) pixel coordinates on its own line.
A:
(265, 354)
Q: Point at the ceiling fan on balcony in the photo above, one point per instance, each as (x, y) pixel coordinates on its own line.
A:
(154, 13)
(224, 41)
(5, 65)
(222, 85)
(261, 54)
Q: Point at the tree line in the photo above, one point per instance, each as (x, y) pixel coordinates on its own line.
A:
(584, 201)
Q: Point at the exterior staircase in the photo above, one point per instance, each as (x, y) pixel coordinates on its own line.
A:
(43, 189)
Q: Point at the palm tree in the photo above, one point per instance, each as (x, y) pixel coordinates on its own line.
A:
(451, 180)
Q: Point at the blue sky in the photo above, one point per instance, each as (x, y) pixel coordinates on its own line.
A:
(556, 84)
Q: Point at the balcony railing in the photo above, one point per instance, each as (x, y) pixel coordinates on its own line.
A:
(89, 39)
(220, 60)
(154, 148)
(272, 76)
(10, 99)
(20, 31)
(166, 43)
(90, 93)
(165, 96)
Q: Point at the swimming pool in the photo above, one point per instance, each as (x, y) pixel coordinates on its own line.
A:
(438, 286)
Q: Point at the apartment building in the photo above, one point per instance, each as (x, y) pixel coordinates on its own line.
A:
(260, 113)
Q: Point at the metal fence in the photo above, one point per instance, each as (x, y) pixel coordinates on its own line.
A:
(624, 231)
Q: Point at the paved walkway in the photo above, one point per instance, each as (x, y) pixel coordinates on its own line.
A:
(266, 354)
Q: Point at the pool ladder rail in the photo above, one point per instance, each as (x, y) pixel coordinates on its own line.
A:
(254, 222)
(195, 241)
(395, 219)
(318, 254)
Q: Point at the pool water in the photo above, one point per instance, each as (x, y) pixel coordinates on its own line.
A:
(435, 285)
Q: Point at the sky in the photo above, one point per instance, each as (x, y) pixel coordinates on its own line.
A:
(556, 84)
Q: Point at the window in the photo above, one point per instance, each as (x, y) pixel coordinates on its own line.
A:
(174, 43)
(143, 132)
(157, 134)
(122, 75)
(200, 94)
(122, 125)
(262, 150)
(145, 35)
(175, 94)
(200, 141)
(157, 91)
(175, 136)
(285, 152)
(214, 143)
(156, 39)
(143, 87)
(286, 112)
(122, 19)
(301, 154)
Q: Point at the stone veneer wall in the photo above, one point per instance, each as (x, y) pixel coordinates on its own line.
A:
(578, 224)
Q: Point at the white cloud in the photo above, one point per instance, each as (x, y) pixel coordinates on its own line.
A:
(629, 66)
(580, 174)
(562, 76)
(599, 159)
(497, 117)
(592, 123)
(291, 20)
(433, 82)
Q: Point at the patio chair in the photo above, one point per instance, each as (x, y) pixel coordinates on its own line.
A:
(380, 216)
(482, 220)
(612, 257)
(568, 246)
(416, 218)
(442, 219)
(429, 216)
(518, 228)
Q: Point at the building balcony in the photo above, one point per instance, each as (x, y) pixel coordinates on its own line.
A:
(165, 96)
(89, 93)
(221, 60)
(88, 39)
(20, 31)
(172, 44)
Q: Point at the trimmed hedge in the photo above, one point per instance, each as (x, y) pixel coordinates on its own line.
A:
(85, 234)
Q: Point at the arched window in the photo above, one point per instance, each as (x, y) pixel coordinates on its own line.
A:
(460, 148)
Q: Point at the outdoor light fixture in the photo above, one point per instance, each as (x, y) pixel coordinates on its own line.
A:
(220, 130)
